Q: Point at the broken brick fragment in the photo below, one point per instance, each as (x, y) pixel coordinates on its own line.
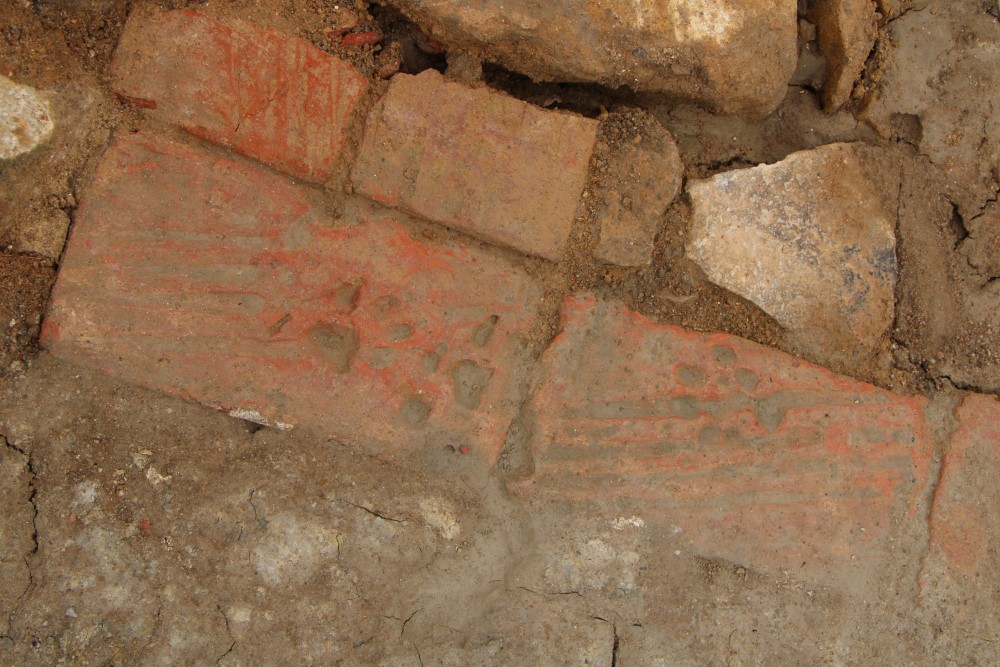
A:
(361, 39)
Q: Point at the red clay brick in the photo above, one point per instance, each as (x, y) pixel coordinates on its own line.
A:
(223, 282)
(751, 454)
(269, 96)
(963, 515)
(478, 161)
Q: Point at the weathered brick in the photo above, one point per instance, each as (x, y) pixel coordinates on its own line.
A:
(476, 160)
(205, 277)
(963, 514)
(751, 454)
(269, 96)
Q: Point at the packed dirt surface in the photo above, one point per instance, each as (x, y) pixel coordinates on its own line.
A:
(138, 528)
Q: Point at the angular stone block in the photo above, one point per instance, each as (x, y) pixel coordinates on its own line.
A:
(25, 119)
(847, 33)
(805, 239)
(476, 160)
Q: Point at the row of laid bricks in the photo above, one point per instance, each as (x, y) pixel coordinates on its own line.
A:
(217, 279)
(472, 159)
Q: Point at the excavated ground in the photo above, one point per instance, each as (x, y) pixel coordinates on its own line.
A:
(139, 528)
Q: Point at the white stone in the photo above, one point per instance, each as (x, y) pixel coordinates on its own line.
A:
(441, 517)
(25, 119)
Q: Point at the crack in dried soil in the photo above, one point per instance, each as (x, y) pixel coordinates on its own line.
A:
(402, 629)
(32, 498)
(371, 511)
(549, 593)
(615, 641)
(229, 632)
(157, 622)
(258, 519)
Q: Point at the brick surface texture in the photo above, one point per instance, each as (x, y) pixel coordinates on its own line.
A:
(751, 454)
(963, 517)
(208, 278)
(478, 161)
(272, 97)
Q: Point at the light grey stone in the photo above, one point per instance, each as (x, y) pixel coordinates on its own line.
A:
(807, 240)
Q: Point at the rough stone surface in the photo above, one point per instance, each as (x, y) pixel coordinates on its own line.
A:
(476, 160)
(274, 98)
(46, 236)
(37, 191)
(639, 172)
(735, 57)
(753, 455)
(25, 119)
(846, 35)
(806, 239)
(203, 277)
